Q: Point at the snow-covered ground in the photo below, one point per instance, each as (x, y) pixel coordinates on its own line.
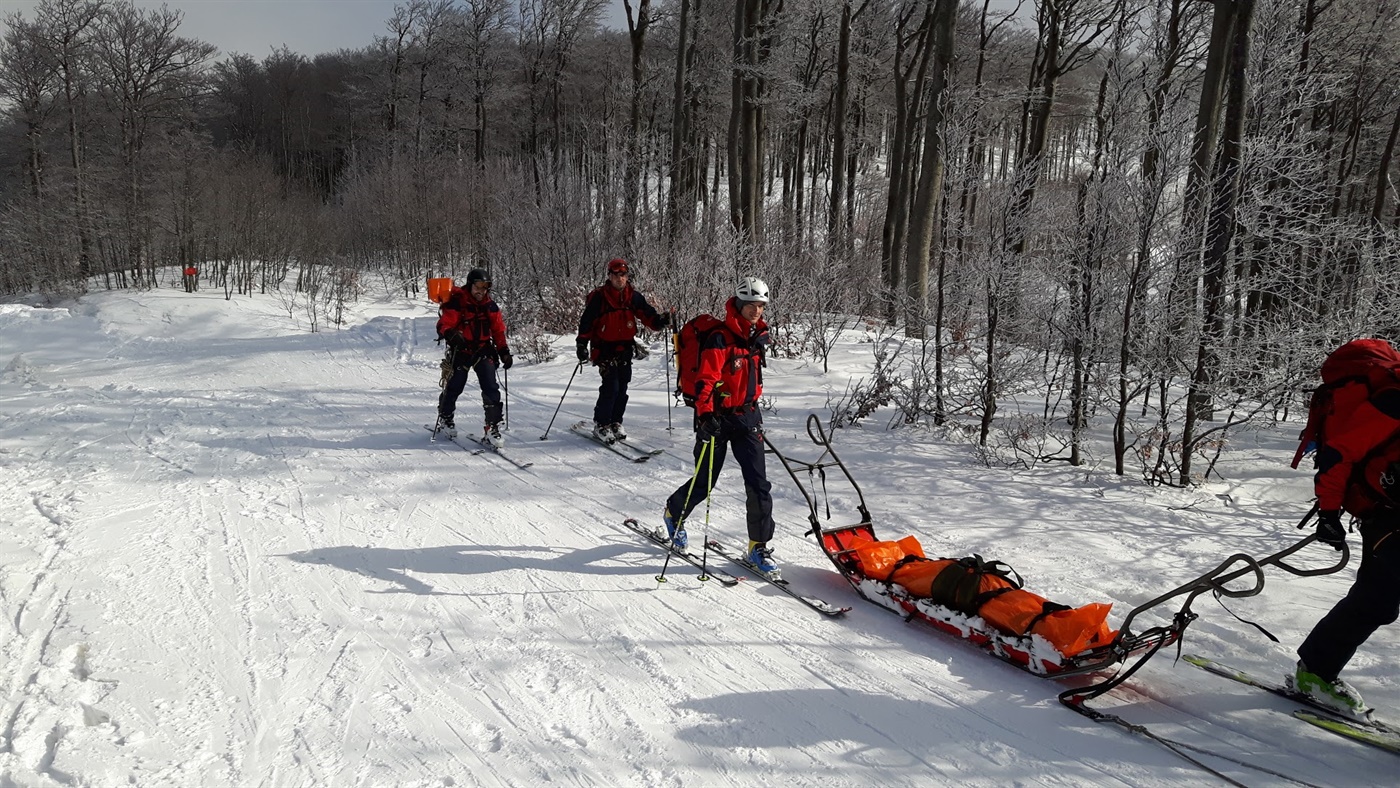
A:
(230, 555)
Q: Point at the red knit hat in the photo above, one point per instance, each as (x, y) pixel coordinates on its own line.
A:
(617, 266)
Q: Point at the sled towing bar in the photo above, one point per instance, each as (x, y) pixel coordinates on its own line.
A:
(818, 467)
(1215, 581)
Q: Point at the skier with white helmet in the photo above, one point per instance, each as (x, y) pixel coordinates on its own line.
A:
(728, 386)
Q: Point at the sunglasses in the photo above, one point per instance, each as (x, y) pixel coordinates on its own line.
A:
(618, 273)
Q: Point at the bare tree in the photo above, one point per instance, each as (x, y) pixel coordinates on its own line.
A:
(483, 23)
(67, 27)
(923, 216)
(149, 76)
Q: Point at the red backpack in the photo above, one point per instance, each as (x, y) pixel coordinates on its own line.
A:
(689, 339)
(1340, 407)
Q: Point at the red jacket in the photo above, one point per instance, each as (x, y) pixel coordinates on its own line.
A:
(731, 364)
(481, 324)
(609, 320)
(1357, 422)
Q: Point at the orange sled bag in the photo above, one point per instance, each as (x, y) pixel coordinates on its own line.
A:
(989, 589)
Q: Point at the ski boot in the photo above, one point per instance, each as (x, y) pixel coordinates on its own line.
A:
(761, 556)
(1336, 695)
(445, 426)
(494, 436)
(603, 432)
(619, 434)
(679, 538)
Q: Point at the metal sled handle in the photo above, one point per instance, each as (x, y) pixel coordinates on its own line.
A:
(818, 434)
(1216, 579)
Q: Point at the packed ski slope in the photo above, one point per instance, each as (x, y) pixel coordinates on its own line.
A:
(230, 555)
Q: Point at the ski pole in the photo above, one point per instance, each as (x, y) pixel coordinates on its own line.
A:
(709, 495)
(699, 460)
(670, 355)
(506, 386)
(561, 401)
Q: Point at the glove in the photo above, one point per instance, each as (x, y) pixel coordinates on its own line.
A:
(665, 320)
(582, 348)
(707, 426)
(506, 358)
(1329, 529)
(455, 339)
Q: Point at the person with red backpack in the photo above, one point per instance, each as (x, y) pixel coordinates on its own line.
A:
(1354, 426)
(727, 386)
(609, 322)
(475, 331)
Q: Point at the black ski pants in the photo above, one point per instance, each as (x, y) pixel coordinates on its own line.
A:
(485, 368)
(743, 433)
(1372, 602)
(612, 394)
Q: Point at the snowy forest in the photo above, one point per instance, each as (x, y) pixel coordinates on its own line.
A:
(1140, 223)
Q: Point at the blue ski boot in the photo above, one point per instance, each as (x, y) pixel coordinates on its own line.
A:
(761, 556)
(679, 538)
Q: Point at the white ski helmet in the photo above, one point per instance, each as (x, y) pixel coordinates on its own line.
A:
(752, 289)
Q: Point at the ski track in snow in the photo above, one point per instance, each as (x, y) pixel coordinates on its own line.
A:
(234, 557)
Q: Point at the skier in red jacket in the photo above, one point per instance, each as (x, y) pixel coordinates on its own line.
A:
(475, 332)
(728, 387)
(609, 321)
(1358, 468)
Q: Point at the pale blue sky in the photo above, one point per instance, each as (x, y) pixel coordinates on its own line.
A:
(307, 26)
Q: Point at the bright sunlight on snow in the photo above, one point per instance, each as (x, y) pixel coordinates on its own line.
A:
(231, 555)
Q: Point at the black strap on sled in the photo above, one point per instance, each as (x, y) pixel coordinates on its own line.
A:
(1232, 613)
(1048, 608)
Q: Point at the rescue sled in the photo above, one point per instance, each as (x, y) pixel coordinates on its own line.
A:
(1047, 654)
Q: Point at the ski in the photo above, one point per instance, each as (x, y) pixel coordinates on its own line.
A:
(1376, 729)
(694, 560)
(581, 428)
(490, 448)
(819, 605)
(1367, 734)
(481, 447)
(638, 447)
(442, 435)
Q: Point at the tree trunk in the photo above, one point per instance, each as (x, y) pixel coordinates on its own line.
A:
(637, 32)
(902, 163)
(1203, 144)
(838, 129)
(680, 201)
(924, 216)
(1220, 237)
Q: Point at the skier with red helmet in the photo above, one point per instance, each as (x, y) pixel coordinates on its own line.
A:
(609, 323)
